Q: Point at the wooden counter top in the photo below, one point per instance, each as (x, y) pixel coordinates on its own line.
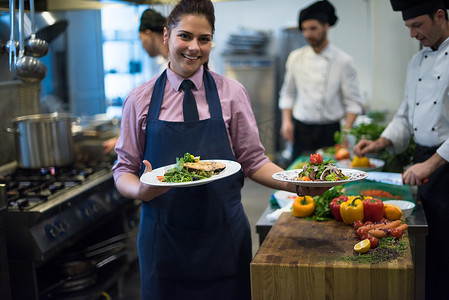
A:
(297, 260)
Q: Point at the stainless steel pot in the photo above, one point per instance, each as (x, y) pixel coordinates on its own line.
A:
(44, 140)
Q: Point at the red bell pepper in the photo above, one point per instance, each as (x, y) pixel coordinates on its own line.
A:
(373, 209)
(335, 206)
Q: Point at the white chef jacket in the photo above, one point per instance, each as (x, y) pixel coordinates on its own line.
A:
(424, 111)
(320, 88)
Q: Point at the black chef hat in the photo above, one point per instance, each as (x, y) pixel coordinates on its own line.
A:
(414, 8)
(322, 11)
(152, 20)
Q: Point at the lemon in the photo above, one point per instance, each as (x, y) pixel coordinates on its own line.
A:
(362, 246)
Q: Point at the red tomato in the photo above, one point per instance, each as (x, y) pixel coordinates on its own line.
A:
(358, 224)
(368, 222)
(365, 236)
(361, 232)
(316, 158)
(373, 240)
(396, 233)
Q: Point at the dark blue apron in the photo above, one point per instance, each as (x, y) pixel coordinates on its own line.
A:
(195, 242)
(434, 196)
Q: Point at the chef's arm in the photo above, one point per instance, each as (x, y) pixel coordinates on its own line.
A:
(264, 176)
(349, 121)
(287, 128)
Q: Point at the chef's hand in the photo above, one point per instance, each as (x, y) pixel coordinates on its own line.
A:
(416, 174)
(149, 192)
(364, 147)
(287, 130)
(419, 173)
(109, 145)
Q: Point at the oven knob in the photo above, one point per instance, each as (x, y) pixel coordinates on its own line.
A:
(94, 208)
(61, 226)
(87, 213)
(51, 232)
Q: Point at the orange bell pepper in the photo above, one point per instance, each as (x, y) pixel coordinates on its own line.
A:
(303, 206)
(392, 212)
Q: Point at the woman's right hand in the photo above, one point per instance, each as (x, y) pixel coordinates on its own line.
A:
(130, 186)
(149, 192)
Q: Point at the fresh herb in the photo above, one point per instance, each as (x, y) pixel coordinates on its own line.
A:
(389, 249)
(322, 204)
(181, 174)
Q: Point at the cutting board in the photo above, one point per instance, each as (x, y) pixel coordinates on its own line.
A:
(298, 260)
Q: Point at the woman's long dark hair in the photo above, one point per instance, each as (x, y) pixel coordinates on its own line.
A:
(192, 7)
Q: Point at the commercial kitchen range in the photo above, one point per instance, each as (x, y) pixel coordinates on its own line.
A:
(69, 233)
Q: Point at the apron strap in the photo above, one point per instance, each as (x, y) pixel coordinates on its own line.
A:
(156, 97)
(212, 96)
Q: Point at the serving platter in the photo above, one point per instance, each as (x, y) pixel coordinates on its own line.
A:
(292, 175)
(151, 178)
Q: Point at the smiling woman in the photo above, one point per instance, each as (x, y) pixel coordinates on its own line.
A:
(184, 230)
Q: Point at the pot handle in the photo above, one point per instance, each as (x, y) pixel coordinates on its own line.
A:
(12, 130)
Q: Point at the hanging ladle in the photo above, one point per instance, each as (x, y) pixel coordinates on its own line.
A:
(28, 69)
(12, 43)
(34, 46)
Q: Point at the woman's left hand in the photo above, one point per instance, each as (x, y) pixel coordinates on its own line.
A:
(309, 191)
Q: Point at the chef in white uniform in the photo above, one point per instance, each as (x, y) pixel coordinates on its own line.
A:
(320, 86)
(424, 115)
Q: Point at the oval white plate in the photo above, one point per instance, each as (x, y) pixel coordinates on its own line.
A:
(150, 178)
(290, 175)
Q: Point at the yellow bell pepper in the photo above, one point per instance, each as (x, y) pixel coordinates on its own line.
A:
(352, 210)
(303, 206)
(360, 162)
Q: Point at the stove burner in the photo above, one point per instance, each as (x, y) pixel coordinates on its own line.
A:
(29, 187)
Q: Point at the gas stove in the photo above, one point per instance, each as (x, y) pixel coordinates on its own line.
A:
(48, 209)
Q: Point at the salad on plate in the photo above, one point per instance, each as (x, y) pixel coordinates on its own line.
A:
(320, 170)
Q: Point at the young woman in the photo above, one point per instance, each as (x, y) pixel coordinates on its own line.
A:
(194, 243)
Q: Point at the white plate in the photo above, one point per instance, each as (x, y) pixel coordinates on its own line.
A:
(290, 175)
(376, 164)
(150, 178)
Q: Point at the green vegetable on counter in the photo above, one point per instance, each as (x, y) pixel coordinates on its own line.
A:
(322, 204)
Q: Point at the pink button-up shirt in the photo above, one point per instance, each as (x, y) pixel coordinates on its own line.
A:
(237, 114)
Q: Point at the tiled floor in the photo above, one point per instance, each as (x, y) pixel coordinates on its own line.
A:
(255, 199)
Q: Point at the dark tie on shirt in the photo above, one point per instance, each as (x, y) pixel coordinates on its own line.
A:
(189, 104)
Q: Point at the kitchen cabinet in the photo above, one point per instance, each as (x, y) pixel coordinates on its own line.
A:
(299, 259)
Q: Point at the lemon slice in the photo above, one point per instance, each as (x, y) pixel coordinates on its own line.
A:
(362, 246)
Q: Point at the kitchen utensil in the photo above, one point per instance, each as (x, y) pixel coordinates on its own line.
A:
(28, 69)
(12, 43)
(34, 46)
(386, 177)
(44, 140)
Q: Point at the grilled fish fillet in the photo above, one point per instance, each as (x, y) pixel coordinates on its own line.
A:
(209, 166)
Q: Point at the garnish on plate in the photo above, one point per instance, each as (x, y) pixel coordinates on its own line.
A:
(191, 168)
(319, 170)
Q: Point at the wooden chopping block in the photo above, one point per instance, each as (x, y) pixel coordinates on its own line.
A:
(298, 260)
